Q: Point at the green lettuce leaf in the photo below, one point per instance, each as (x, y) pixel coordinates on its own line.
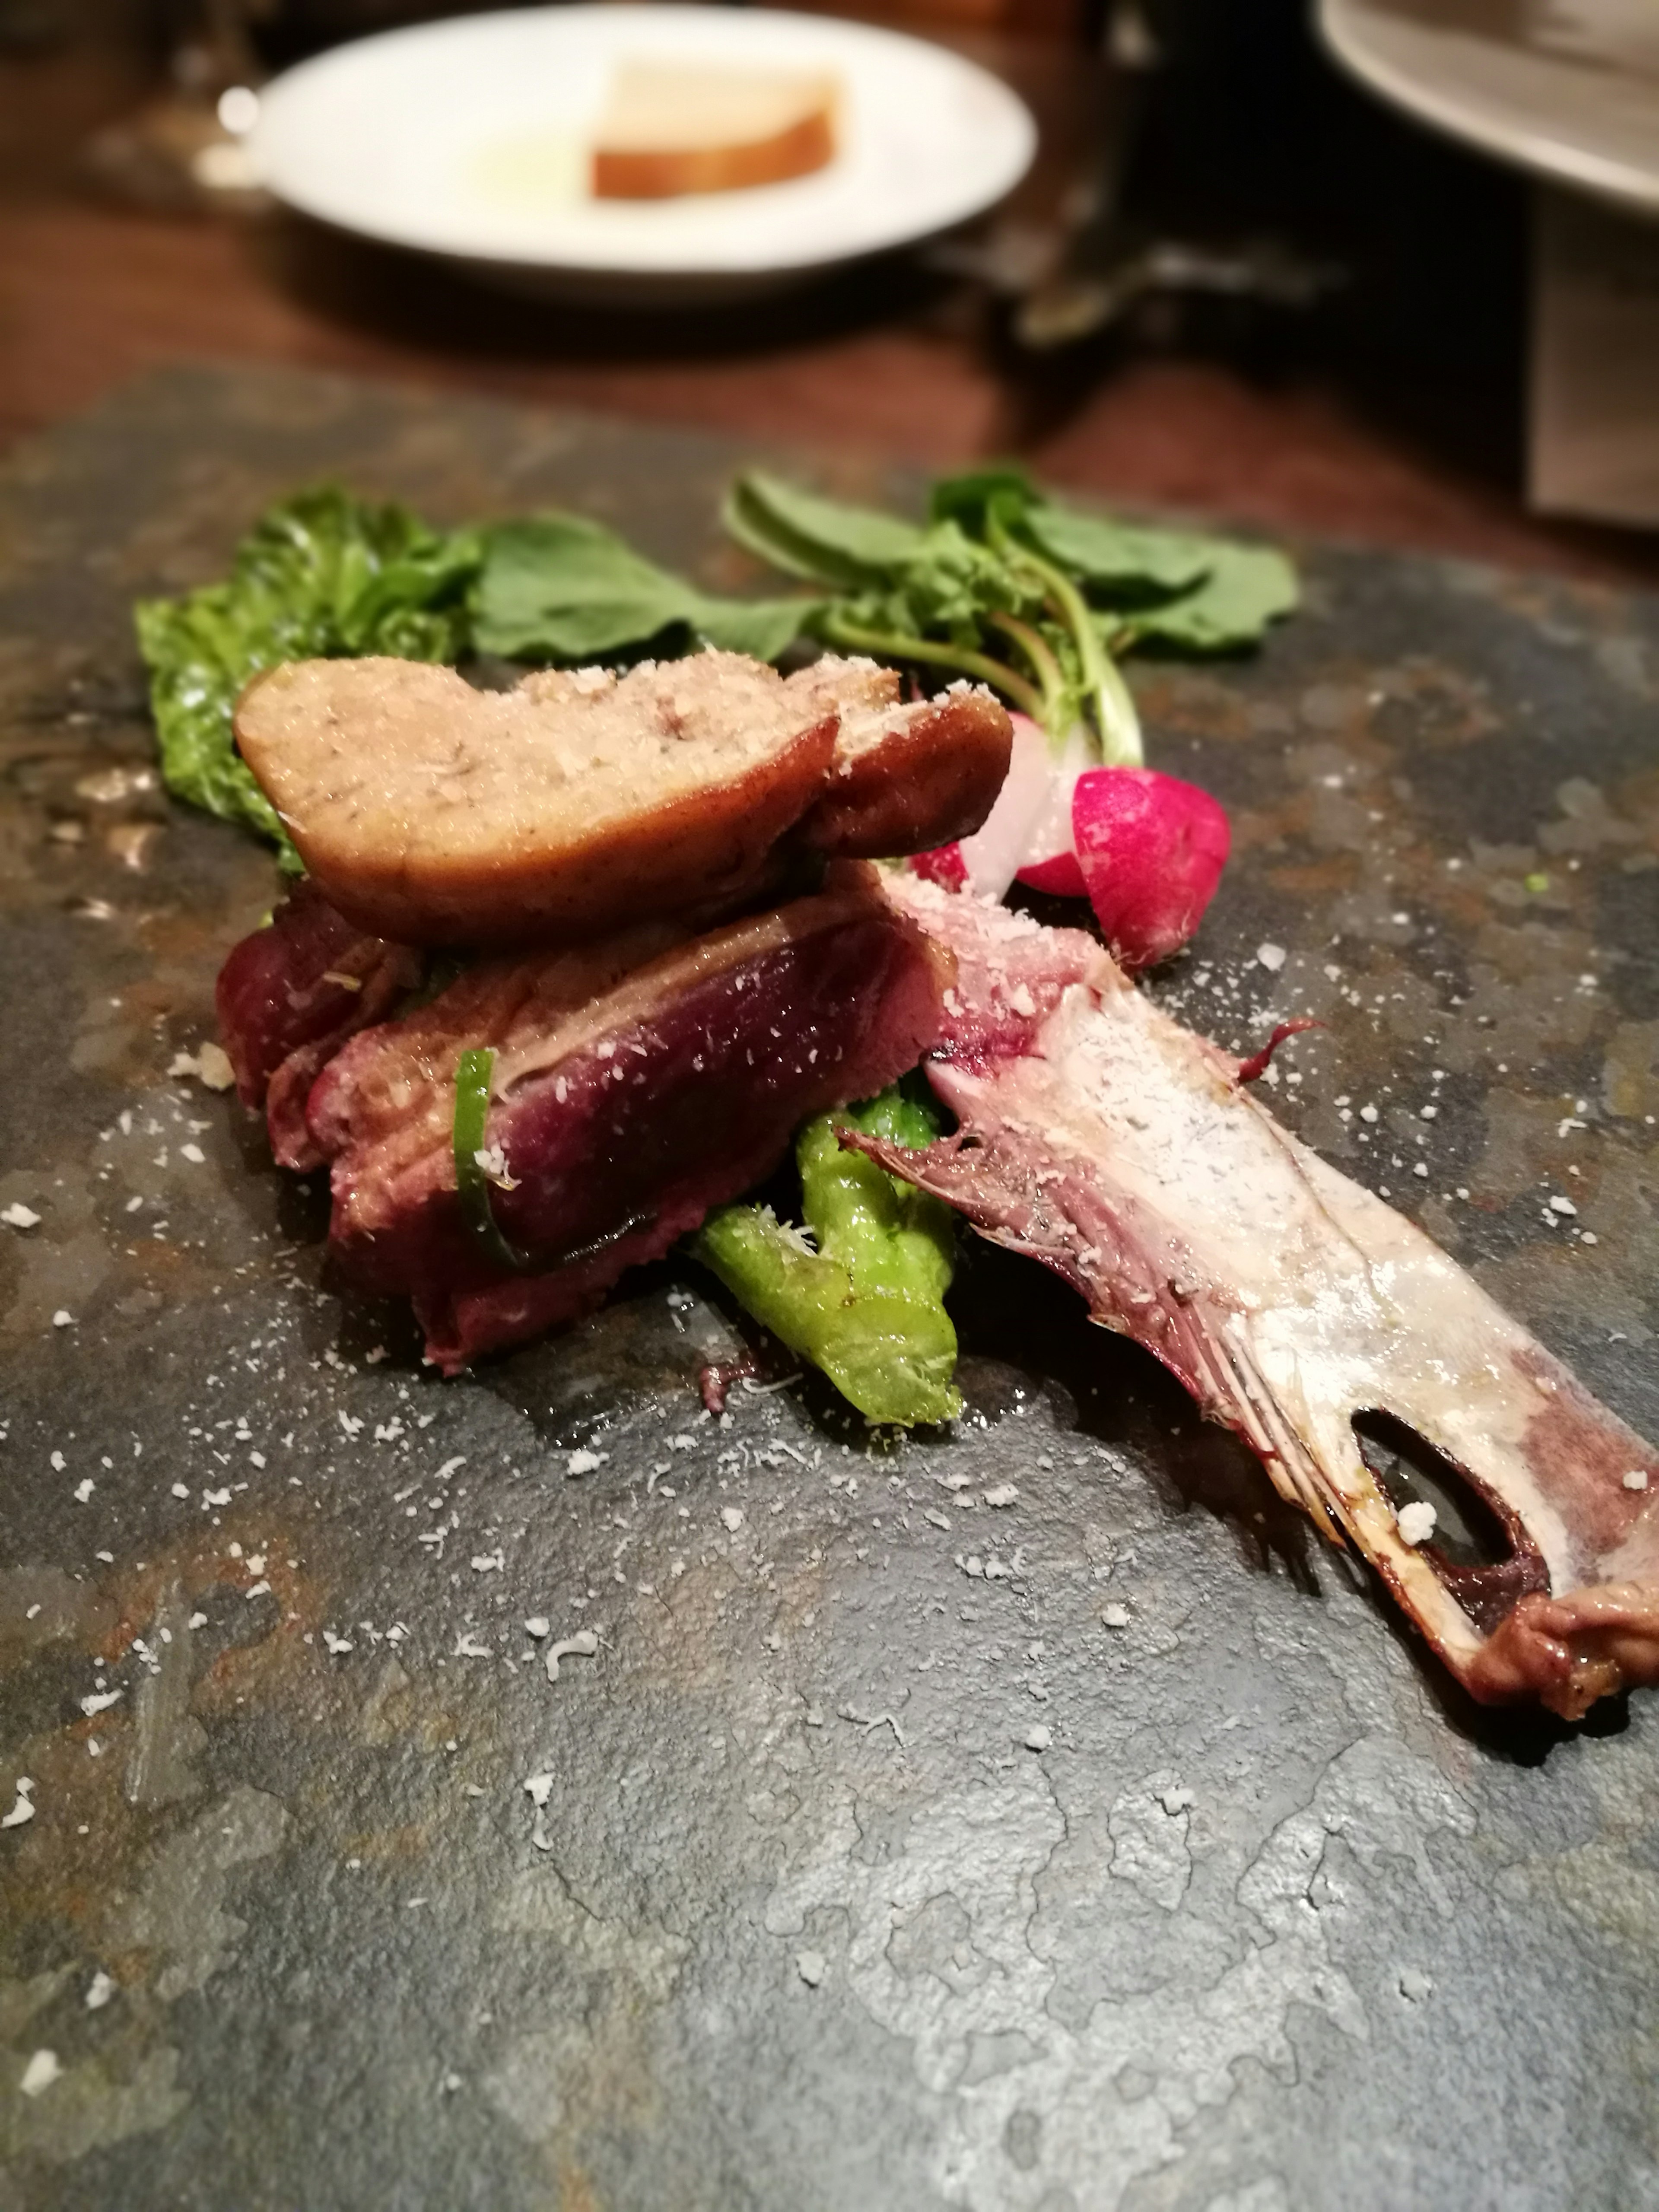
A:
(320, 575)
(1119, 557)
(824, 540)
(1248, 588)
(558, 588)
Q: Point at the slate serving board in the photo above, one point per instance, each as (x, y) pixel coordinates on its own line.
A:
(1112, 1848)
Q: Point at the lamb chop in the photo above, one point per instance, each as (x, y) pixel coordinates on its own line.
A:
(637, 1082)
(1101, 1137)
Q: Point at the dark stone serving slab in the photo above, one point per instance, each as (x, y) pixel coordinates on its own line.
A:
(1117, 1847)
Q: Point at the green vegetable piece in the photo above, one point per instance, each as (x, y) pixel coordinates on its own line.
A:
(971, 498)
(1249, 587)
(867, 1306)
(1119, 557)
(319, 574)
(824, 540)
(558, 587)
(472, 1074)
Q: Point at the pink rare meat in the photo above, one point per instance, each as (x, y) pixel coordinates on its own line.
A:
(636, 1085)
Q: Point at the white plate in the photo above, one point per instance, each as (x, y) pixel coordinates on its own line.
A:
(1567, 88)
(468, 138)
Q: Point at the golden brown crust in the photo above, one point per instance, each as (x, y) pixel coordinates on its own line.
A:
(625, 173)
(931, 778)
(433, 814)
(429, 812)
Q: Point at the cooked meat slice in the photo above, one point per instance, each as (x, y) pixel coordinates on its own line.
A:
(1120, 1150)
(910, 776)
(289, 997)
(629, 1098)
(435, 814)
(440, 815)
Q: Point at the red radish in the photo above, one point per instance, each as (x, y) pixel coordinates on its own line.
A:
(1150, 849)
(992, 856)
(1050, 862)
(1060, 875)
(944, 865)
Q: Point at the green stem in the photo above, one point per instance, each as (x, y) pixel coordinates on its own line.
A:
(1115, 710)
(1056, 716)
(896, 645)
(473, 1076)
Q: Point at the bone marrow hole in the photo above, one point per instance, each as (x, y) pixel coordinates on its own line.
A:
(1480, 1551)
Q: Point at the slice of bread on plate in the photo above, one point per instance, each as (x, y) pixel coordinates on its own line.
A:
(673, 128)
(431, 813)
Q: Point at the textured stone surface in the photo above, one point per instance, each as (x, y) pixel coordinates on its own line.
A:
(795, 1915)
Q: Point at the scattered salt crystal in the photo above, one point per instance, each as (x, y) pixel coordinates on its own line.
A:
(83, 1491)
(62, 1318)
(193, 1153)
(21, 1812)
(1038, 1737)
(100, 1991)
(181, 1490)
(1415, 1985)
(469, 1647)
(585, 1462)
(1562, 1206)
(19, 1216)
(1416, 1522)
(537, 1626)
(1272, 957)
(1178, 1798)
(1637, 1478)
(59, 1462)
(337, 1644)
(538, 1788)
(42, 2070)
(1367, 1113)
(733, 1516)
(99, 1702)
(811, 1966)
(582, 1645)
(1005, 1493)
(1115, 1616)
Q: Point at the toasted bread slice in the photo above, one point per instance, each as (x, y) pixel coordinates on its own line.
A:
(673, 128)
(431, 813)
(436, 814)
(907, 776)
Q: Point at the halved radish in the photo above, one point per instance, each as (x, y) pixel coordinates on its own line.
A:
(1151, 850)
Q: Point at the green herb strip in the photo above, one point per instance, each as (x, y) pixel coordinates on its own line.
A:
(472, 1077)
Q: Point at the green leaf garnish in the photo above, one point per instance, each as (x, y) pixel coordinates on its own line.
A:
(558, 587)
(473, 1079)
(320, 575)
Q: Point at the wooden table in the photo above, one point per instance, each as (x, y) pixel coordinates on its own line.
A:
(889, 359)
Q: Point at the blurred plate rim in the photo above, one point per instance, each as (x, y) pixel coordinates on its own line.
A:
(1402, 59)
(663, 269)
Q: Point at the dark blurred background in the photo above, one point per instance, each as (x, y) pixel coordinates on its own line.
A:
(1235, 280)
